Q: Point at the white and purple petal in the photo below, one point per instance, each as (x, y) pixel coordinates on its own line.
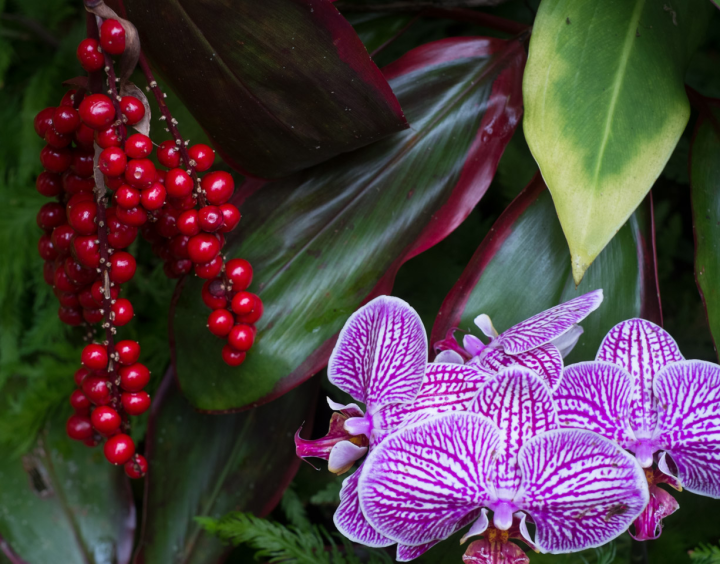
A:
(520, 404)
(546, 361)
(406, 553)
(343, 455)
(550, 324)
(648, 526)
(596, 396)
(566, 342)
(581, 489)
(642, 349)
(688, 398)
(381, 353)
(350, 520)
(427, 481)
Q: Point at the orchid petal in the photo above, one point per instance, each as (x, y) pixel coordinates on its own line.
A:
(406, 553)
(648, 525)
(473, 345)
(566, 342)
(484, 551)
(485, 325)
(478, 527)
(580, 489)
(596, 396)
(426, 481)
(668, 475)
(519, 403)
(546, 361)
(381, 353)
(449, 357)
(688, 396)
(549, 324)
(642, 349)
(350, 520)
(343, 455)
(351, 409)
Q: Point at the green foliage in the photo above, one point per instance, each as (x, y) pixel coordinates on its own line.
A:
(706, 554)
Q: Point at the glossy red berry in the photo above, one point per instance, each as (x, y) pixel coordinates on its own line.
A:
(46, 250)
(138, 146)
(112, 161)
(213, 294)
(44, 120)
(107, 138)
(84, 137)
(82, 163)
(254, 316)
(203, 247)
(78, 427)
(127, 197)
(91, 59)
(112, 37)
(178, 246)
(203, 156)
(92, 316)
(132, 108)
(120, 235)
(79, 401)
(122, 267)
(80, 275)
(218, 187)
(240, 273)
(74, 184)
(210, 269)
(128, 351)
(136, 467)
(188, 223)
(241, 337)
(134, 377)
(232, 357)
(167, 153)
(153, 197)
(86, 249)
(231, 217)
(97, 292)
(82, 216)
(53, 138)
(178, 183)
(123, 311)
(135, 403)
(66, 120)
(96, 389)
(94, 356)
(243, 303)
(178, 268)
(50, 216)
(56, 160)
(97, 111)
(119, 449)
(80, 375)
(166, 225)
(105, 420)
(86, 299)
(210, 218)
(135, 217)
(68, 299)
(140, 173)
(70, 316)
(49, 273)
(49, 184)
(220, 322)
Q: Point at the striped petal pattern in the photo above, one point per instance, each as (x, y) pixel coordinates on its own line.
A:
(581, 489)
(596, 396)
(546, 361)
(642, 349)
(688, 397)
(349, 519)
(428, 480)
(381, 353)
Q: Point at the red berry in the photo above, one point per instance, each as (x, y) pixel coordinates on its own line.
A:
(86, 250)
(241, 337)
(96, 389)
(46, 250)
(243, 303)
(53, 138)
(97, 111)
(92, 316)
(49, 184)
(127, 197)
(188, 223)
(255, 315)
(50, 216)
(105, 420)
(80, 375)
(49, 273)
(112, 37)
(134, 377)
(136, 467)
(79, 401)
(107, 138)
(86, 300)
(210, 218)
(168, 154)
(97, 291)
(220, 322)
(134, 217)
(66, 120)
(132, 108)
(119, 449)
(91, 59)
(44, 120)
(160, 175)
(178, 246)
(74, 184)
(84, 137)
(62, 281)
(218, 187)
(70, 316)
(138, 146)
(166, 225)
(210, 269)
(203, 247)
(153, 198)
(68, 299)
(82, 163)
(122, 267)
(203, 156)
(81, 217)
(140, 173)
(68, 98)
(213, 294)
(94, 356)
(240, 273)
(80, 275)
(178, 268)
(178, 183)
(78, 427)
(112, 161)
(120, 235)
(231, 217)
(54, 159)
(128, 351)
(135, 403)
(232, 357)
(123, 311)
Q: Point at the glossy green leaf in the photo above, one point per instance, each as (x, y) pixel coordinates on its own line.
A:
(522, 268)
(63, 503)
(705, 183)
(279, 85)
(209, 465)
(605, 105)
(323, 241)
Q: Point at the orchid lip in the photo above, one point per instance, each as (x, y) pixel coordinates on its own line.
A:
(644, 452)
(359, 426)
(503, 515)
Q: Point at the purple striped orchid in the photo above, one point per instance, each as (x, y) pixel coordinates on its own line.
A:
(539, 343)
(380, 359)
(506, 454)
(641, 393)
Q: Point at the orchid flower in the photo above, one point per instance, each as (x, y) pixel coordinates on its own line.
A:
(380, 359)
(506, 454)
(641, 393)
(539, 343)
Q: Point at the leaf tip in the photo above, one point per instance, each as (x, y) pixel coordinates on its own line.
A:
(580, 264)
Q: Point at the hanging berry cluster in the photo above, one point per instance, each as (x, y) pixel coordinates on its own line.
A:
(106, 190)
